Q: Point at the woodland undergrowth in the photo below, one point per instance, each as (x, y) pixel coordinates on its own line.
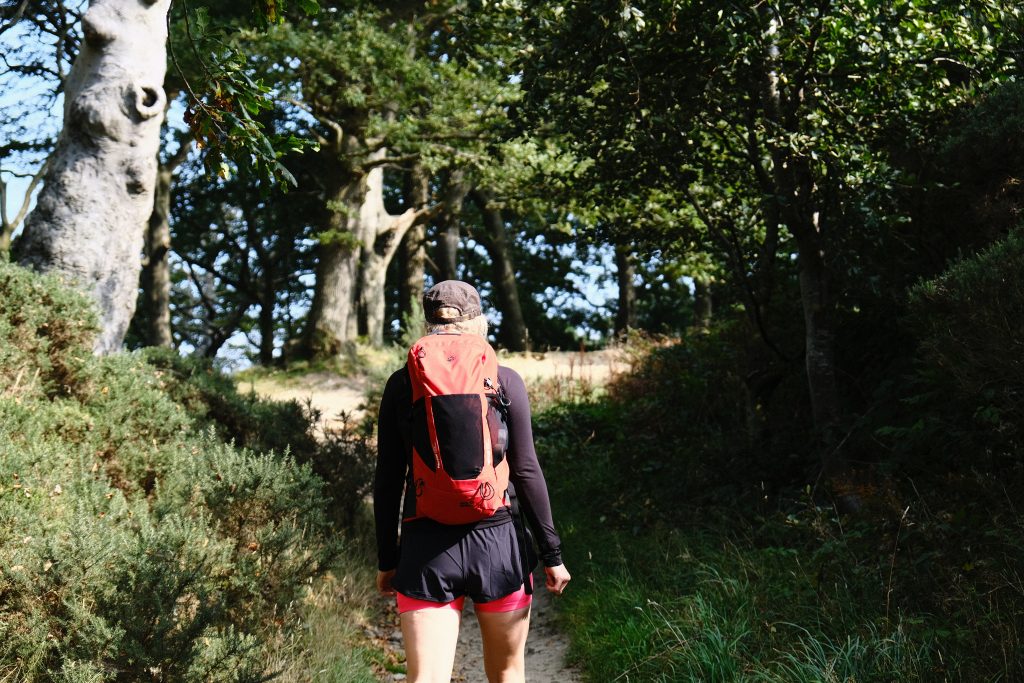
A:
(699, 553)
(155, 524)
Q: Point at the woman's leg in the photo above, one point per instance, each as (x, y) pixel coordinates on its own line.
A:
(504, 636)
(430, 636)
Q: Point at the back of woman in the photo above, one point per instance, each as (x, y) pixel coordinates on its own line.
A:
(455, 452)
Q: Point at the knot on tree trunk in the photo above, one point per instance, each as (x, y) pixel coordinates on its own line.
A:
(150, 101)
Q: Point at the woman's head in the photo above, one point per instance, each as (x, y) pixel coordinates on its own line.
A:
(454, 306)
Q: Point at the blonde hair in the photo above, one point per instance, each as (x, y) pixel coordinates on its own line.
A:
(477, 325)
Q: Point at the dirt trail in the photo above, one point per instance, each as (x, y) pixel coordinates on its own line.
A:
(546, 647)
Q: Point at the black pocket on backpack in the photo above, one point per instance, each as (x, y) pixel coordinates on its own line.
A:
(460, 434)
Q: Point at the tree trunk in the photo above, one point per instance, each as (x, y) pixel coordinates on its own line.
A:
(414, 253)
(702, 304)
(268, 302)
(797, 203)
(449, 233)
(513, 334)
(625, 316)
(361, 239)
(156, 269)
(383, 235)
(98, 189)
(819, 337)
(332, 316)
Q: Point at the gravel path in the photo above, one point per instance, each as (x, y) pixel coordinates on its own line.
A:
(545, 647)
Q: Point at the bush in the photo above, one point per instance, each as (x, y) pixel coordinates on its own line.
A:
(971, 320)
(690, 576)
(135, 544)
(342, 457)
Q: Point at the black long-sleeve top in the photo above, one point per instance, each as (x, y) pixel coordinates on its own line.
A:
(394, 469)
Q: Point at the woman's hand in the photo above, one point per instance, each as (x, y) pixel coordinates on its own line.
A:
(557, 578)
(384, 582)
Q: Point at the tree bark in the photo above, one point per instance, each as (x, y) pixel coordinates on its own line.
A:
(332, 316)
(625, 266)
(383, 235)
(703, 307)
(797, 203)
(414, 251)
(156, 272)
(513, 334)
(156, 267)
(819, 336)
(449, 234)
(268, 301)
(98, 188)
(361, 239)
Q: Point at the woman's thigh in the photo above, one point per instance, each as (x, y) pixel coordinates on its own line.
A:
(430, 636)
(504, 635)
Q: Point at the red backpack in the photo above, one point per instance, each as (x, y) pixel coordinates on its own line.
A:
(458, 429)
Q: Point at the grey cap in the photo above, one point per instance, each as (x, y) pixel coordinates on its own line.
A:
(454, 294)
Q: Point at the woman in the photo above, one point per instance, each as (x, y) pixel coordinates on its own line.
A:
(437, 565)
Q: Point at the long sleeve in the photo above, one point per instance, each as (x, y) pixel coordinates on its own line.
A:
(389, 477)
(525, 471)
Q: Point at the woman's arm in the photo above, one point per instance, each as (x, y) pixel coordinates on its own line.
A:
(389, 477)
(525, 471)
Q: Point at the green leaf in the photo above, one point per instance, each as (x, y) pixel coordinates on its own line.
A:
(310, 7)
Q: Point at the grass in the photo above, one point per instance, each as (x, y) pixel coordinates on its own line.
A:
(689, 605)
(675, 580)
(331, 640)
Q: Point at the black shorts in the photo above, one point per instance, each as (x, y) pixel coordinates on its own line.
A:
(440, 563)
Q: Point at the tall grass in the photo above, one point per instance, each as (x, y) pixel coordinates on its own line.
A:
(689, 566)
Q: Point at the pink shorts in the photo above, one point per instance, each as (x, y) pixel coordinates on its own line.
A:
(509, 603)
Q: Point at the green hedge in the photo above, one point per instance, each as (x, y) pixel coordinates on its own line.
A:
(135, 543)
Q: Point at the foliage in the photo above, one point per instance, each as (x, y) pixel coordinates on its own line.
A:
(238, 246)
(134, 541)
(49, 331)
(342, 457)
(969, 378)
(704, 560)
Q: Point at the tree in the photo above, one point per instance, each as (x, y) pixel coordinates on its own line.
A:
(99, 179)
(242, 260)
(381, 100)
(768, 122)
(98, 187)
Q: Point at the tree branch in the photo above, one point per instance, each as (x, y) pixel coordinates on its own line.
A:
(8, 228)
(15, 16)
(336, 128)
(389, 161)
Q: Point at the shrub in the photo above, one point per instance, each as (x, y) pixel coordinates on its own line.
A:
(690, 577)
(135, 544)
(47, 331)
(971, 320)
(343, 457)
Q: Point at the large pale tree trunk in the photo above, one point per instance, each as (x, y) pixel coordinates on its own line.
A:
(383, 234)
(98, 189)
(513, 333)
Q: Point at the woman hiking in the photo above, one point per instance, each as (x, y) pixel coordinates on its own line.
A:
(454, 434)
